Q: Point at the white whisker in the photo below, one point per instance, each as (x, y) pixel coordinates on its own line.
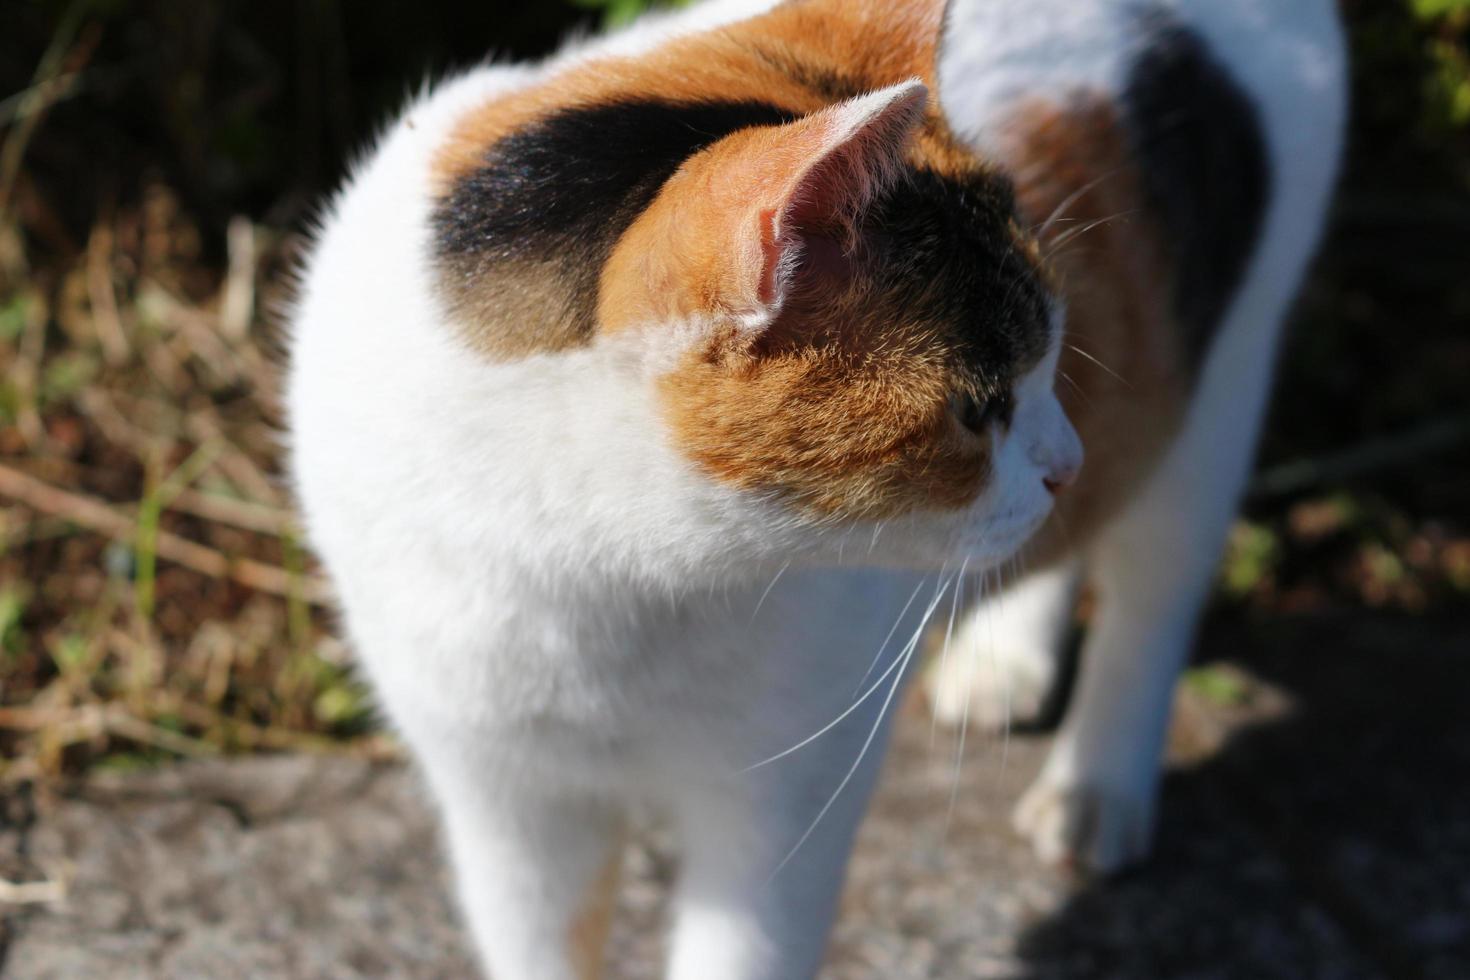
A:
(766, 594)
(1081, 393)
(889, 638)
(1071, 199)
(1100, 364)
(944, 651)
(1055, 247)
(876, 532)
(1005, 678)
(908, 655)
(851, 771)
(901, 658)
(959, 755)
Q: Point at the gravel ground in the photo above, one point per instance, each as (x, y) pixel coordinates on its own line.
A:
(1316, 824)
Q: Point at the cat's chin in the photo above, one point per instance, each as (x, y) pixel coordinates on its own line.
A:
(998, 542)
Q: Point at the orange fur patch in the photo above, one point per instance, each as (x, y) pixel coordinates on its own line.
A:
(713, 244)
(835, 422)
(801, 57)
(590, 929)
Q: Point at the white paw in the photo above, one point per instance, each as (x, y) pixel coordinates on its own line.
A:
(1090, 829)
(1002, 688)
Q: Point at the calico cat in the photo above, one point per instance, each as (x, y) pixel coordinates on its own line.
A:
(648, 402)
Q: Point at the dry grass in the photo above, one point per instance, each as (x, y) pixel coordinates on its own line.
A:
(154, 597)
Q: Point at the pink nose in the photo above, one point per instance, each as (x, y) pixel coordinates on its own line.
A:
(1060, 479)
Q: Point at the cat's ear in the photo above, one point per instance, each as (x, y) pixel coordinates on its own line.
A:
(728, 233)
(815, 178)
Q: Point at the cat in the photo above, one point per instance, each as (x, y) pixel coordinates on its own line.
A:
(646, 403)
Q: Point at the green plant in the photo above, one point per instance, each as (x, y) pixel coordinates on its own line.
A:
(616, 13)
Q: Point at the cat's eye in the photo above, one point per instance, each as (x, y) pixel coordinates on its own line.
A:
(979, 414)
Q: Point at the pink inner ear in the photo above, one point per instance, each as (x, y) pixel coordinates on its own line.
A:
(825, 262)
(825, 201)
(824, 204)
(822, 260)
(802, 188)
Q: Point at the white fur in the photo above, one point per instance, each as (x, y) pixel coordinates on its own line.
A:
(1094, 802)
(569, 624)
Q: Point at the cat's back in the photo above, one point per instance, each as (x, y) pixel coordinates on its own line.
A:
(364, 274)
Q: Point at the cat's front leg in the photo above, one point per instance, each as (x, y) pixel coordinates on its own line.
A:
(536, 874)
(765, 857)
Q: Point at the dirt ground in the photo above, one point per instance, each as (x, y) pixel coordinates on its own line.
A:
(1315, 823)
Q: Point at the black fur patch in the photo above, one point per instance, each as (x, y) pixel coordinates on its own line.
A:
(1205, 168)
(561, 192)
(951, 258)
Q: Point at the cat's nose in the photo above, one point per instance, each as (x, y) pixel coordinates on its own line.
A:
(1062, 472)
(1060, 479)
(1059, 452)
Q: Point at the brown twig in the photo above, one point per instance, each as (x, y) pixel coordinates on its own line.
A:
(97, 516)
(96, 404)
(236, 513)
(106, 320)
(237, 298)
(205, 425)
(1438, 436)
(82, 722)
(25, 374)
(55, 76)
(252, 736)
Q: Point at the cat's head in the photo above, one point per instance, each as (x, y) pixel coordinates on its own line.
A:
(855, 328)
(837, 315)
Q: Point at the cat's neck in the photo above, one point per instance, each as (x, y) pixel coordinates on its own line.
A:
(560, 480)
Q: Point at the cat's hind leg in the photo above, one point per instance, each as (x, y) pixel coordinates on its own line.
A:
(1005, 654)
(1150, 569)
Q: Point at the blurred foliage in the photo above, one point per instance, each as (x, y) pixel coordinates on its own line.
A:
(618, 13)
(1219, 685)
(1415, 70)
(158, 160)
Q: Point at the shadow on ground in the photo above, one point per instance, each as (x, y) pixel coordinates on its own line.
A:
(1323, 830)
